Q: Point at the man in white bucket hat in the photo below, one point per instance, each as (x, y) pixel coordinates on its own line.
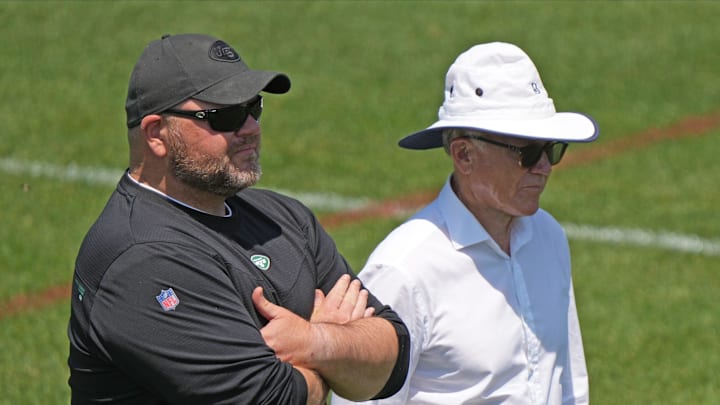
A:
(481, 276)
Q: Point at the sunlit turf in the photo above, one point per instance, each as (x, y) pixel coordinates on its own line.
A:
(365, 74)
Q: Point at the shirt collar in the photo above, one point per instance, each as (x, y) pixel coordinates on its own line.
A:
(464, 230)
(228, 210)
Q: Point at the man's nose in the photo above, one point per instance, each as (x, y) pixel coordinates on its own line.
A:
(543, 165)
(250, 127)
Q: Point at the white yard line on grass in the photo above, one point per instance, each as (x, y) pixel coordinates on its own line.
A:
(68, 173)
(109, 177)
(334, 202)
(639, 237)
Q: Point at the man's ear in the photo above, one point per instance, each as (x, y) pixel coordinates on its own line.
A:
(461, 153)
(153, 128)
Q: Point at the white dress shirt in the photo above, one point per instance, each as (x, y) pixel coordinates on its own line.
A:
(485, 327)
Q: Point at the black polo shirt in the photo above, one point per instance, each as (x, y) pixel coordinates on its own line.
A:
(162, 309)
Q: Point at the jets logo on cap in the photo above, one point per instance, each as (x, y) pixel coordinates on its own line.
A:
(222, 52)
(262, 262)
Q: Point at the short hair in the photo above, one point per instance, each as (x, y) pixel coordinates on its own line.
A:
(449, 135)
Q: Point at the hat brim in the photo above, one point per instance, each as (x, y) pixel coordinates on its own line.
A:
(564, 126)
(243, 86)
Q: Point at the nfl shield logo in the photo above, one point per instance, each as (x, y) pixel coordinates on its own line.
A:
(168, 300)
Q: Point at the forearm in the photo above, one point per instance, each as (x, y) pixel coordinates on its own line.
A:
(359, 359)
(317, 390)
(355, 359)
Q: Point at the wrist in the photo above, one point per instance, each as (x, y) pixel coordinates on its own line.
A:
(321, 343)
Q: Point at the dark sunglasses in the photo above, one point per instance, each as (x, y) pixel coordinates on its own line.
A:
(531, 154)
(225, 119)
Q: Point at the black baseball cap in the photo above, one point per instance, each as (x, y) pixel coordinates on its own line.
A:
(178, 67)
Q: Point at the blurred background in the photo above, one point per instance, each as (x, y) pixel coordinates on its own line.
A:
(639, 204)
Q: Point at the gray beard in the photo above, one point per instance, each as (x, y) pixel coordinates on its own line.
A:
(213, 175)
(222, 182)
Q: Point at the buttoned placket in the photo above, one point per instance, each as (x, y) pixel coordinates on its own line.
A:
(531, 342)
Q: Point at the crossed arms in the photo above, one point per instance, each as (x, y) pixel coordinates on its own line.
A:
(343, 347)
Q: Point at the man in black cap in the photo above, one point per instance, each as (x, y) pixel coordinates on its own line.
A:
(192, 287)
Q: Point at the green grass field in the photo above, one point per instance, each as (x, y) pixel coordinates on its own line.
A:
(365, 74)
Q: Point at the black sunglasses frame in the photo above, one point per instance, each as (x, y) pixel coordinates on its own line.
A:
(531, 154)
(225, 119)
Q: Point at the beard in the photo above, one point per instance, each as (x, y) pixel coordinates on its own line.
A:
(212, 174)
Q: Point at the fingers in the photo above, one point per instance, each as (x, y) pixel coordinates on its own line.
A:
(360, 304)
(353, 299)
(319, 300)
(345, 294)
(266, 308)
(336, 295)
(348, 298)
(346, 301)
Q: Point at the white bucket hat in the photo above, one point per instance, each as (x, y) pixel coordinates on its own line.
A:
(496, 88)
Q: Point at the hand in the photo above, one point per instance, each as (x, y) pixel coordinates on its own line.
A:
(344, 303)
(354, 359)
(289, 335)
(285, 333)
